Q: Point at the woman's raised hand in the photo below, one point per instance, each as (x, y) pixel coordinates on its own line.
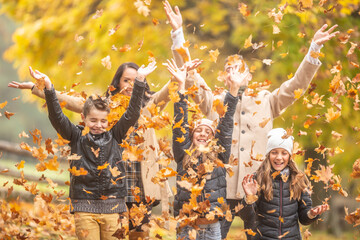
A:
(322, 36)
(144, 71)
(175, 18)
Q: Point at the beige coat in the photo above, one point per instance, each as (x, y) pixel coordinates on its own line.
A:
(149, 167)
(250, 112)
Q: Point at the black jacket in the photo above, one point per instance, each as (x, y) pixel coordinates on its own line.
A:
(96, 181)
(266, 214)
(215, 186)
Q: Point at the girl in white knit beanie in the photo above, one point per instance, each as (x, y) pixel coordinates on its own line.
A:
(278, 194)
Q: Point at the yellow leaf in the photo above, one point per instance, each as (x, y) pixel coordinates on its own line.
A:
(214, 55)
(264, 122)
(53, 164)
(180, 140)
(114, 171)
(2, 105)
(297, 93)
(20, 165)
(183, 53)
(331, 115)
(248, 42)
(103, 166)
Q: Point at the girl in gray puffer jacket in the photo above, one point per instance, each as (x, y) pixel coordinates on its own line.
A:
(277, 197)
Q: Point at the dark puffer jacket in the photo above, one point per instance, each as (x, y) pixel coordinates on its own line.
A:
(266, 214)
(215, 186)
(100, 182)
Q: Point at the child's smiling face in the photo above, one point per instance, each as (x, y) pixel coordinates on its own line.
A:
(279, 158)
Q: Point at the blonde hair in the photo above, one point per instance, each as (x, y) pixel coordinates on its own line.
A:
(298, 180)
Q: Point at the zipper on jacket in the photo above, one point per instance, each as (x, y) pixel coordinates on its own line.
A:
(281, 198)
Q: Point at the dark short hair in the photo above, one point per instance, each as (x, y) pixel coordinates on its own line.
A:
(100, 103)
(116, 81)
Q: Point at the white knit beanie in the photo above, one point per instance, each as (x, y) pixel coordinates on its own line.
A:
(277, 139)
(205, 122)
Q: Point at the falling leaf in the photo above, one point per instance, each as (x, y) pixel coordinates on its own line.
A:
(180, 140)
(8, 114)
(214, 55)
(2, 105)
(102, 167)
(98, 14)
(106, 62)
(142, 8)
(301, 35)
(113, 30)
(20, 165)
(298, 93)
(248, 42)
(52, 164)
(88, 192)
(77, 172)
(218, 106)
(243, 8)
(155, 21)
(276, 29)
(264, 122)
(267, 61)
(331, 115)
(114, 171)
(78, 38)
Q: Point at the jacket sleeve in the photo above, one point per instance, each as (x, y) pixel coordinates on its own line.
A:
(59, 121)
(283, 96)
(181, 114)
(305, 204)
(161, 96)
(74, 104)
(225, 127)
(248, 214)
(132, 113)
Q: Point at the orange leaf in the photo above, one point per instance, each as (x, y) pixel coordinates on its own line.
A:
(53, 164)
(103, 166)
(20, 165)
(76, 172)
(8, 114)
(180, 140)
(2, 105)
(263, 123)
(248, 42)
(88, 192)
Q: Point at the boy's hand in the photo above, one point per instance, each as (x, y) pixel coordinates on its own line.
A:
(319, 210)
(322, 36)
(250, 185)
(191, 65)
(40, 76)
(179, 74)
(175, 18)
(23, 85)
(143, 71)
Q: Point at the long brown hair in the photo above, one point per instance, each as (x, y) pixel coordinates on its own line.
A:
(299, 182)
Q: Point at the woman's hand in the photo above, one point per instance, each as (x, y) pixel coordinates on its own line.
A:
(322, 36)
(175, 18)
(143, 71)
(39, 76)
(237, 79)
(23, 85)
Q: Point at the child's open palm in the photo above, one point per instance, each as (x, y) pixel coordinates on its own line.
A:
(40, 76)
(319, 209)
(179, 74)
(250, 185)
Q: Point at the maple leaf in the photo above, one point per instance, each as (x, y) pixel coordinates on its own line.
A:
(20, 165)
(49, 147)
(214, 55)
(267, 61)
(53, 164)
(114, 171)
(102, 167)
(325, 173)
(8, 114)
(142, 8)
(77, 172)
(331, 115)
(106, 62)
(2, 105)
(85, 131)
(95, 152)
(248, 42)
(98, 14)
(74, 157)
(218, 106)
(243, 9)
(264, 122)
(61, 141)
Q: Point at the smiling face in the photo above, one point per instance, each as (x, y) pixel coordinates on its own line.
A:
(279, 158)
(96, 120)
(201, 135)
(127, 81)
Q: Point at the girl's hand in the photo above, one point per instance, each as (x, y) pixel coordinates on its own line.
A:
(175, 18)
(322, 36)
(319, 210)
(250, 185)
(23, 85)
(237, 79)
(179, 75)
(143, 71)
(40, 77)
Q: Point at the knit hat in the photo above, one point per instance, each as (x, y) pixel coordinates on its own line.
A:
(277, 138)
(205, 122)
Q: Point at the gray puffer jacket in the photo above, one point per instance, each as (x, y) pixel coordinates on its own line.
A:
(215, 186)
(267, 216)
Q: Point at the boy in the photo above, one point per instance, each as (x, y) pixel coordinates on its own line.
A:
(97, 184)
